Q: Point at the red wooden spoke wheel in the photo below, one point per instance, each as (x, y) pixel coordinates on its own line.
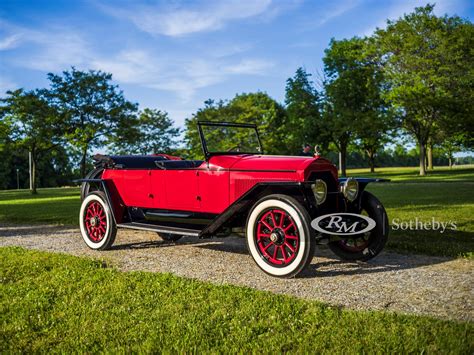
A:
(98, 228)
(95, 221)
(277, 237)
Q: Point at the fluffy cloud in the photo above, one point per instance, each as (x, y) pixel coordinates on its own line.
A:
(176, 21)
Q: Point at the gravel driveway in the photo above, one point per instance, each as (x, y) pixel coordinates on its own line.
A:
(435, 286)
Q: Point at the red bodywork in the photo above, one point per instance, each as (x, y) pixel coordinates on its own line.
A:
(214, 185)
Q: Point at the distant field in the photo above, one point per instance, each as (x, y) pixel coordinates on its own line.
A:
(56, 206)
(446, 195)
(60, 303)
(411, 174)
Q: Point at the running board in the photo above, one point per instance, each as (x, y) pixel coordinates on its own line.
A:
(160, 229)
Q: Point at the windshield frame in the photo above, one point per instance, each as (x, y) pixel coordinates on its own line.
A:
(205, 150)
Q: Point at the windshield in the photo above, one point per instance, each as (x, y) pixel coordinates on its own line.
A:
(230, 138)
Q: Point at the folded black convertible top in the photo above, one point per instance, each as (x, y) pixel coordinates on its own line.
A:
(127, 161)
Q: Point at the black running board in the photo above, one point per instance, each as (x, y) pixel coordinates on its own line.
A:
(160, 229)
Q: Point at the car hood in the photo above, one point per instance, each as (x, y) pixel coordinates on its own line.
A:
(272, 162)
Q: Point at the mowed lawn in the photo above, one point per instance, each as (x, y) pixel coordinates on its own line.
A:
(60, 303)
(55, 206)
(447, 195)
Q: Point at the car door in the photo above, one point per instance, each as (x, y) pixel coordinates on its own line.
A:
(136, 189)
(181, 189)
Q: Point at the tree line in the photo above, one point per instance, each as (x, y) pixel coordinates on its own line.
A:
(413, 78)
(79, 112)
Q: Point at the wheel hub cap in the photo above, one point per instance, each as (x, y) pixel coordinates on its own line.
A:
(277, 236)
(94, 221)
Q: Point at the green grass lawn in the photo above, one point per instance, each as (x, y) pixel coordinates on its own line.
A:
(56, 206)
(411, 174)
(52, 302)
(447, 195)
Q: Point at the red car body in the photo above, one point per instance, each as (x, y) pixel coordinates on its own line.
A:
(214, 185)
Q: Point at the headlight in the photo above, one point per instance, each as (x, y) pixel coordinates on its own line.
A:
(350, 189)
(320, 191)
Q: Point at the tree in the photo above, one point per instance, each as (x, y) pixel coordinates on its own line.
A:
(94, 107)
(354, 107)
(428, 62)
(269, 116)
(304, 118)
(257, 108)
(35, 126)
(152, 131)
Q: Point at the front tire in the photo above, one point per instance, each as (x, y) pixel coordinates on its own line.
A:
(371, 244)
(279, 236)
(98, 228)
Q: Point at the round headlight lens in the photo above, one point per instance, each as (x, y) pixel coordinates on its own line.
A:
(320, 191)
(350, 189)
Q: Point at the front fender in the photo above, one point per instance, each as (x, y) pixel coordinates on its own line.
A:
(363, 182)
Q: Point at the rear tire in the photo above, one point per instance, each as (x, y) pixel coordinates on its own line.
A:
(98, 228)
(279, 236)
(365, 249)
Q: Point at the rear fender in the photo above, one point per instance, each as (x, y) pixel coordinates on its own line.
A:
(112, 196)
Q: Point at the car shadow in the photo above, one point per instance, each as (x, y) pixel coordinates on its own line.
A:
(324, 263)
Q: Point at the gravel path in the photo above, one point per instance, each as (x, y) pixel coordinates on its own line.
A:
(435, 286)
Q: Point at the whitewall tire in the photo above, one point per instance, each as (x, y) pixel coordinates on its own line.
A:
(279, 236)
(98, 228)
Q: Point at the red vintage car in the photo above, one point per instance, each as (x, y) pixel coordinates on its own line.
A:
(283, 205)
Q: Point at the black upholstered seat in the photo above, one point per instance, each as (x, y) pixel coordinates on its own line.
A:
(178, 164)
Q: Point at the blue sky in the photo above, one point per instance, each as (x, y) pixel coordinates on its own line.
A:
(173, 55)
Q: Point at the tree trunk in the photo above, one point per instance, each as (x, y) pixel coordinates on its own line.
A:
(342, 159)
(33, 175)
(422, 159)
(430, 156)
(371, 156)
(450, 162)
(84, 161)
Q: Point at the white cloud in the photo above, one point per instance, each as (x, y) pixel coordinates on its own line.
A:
(10, 41)
(48, 50)
(176, 21)
(54, 49)
(182, 77)
(250, 66)
(341, 8)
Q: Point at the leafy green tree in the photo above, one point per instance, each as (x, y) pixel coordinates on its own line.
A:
(303, 109)
(5, 151)
(95, 108)
(151, 132)
(35, 126)
(257, 108)
(354, 107)
(428, 62)
(269, 116)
